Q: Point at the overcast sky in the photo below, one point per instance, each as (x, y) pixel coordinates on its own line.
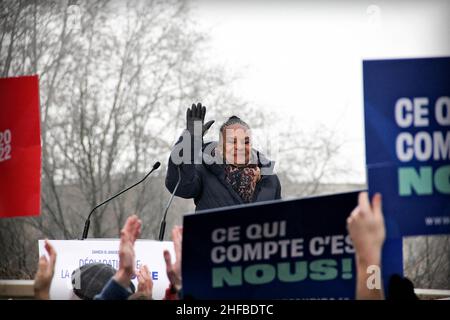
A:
(304, 58)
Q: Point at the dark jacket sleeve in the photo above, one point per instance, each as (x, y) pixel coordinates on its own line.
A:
(278, 192)
(191, 182)
(113, 291)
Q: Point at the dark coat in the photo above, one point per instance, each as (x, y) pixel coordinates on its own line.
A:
(207, 185)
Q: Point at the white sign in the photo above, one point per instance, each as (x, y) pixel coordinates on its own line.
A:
(72, 254)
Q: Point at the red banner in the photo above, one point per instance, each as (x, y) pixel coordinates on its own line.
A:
(20, 147)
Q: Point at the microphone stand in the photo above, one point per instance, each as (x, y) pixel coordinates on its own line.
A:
(88, 221)
(162, 228)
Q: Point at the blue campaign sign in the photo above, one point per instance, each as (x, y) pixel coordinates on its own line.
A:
(407, 127)
(297, 249)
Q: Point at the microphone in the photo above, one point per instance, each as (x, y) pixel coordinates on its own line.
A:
(162, 227)
(88, 221)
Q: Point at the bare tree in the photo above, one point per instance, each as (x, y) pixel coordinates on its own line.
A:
(308, 159)
(114, 81)
(427, 261)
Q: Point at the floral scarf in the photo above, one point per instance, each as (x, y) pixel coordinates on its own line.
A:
(243, 180)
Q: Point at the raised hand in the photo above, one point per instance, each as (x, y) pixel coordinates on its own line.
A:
(174, 270)
(366, 227)
(128, 235)
(145, 285)
(197, 114)
(44, 275)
